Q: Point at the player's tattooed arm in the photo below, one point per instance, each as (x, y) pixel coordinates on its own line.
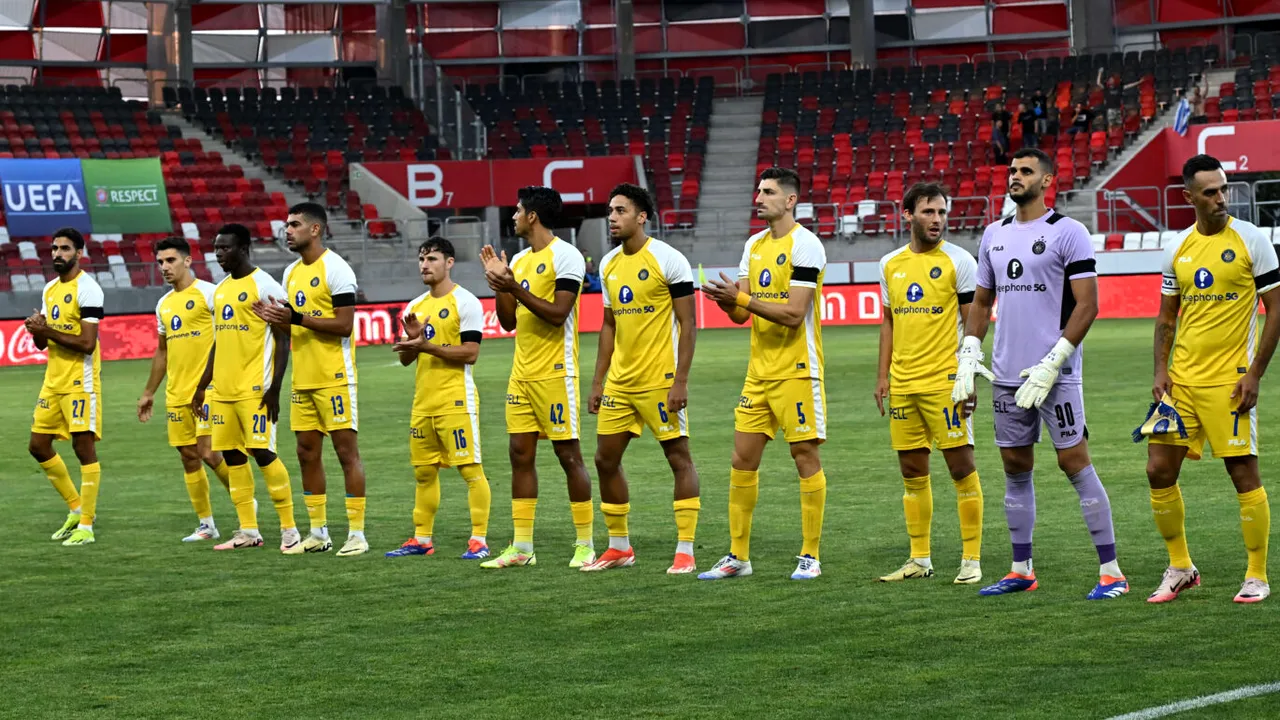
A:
(1166, 324)
(1085, 290)
(1247, 388)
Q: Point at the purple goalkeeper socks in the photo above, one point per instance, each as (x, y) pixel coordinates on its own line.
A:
(1020, 512)
(1096, 508)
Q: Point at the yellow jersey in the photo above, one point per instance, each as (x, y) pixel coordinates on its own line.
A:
(1218, 278)
(921, 293)
(66, 306)
(773, 266)
(321, 360)
(184, 318)
(639, 291)
(443, 387)
(544, 350)
(244, 347)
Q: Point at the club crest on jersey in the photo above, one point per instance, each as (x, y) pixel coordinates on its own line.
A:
(1228, 256)
(66, 298)
(541, 268)
(915, 293)
(227, 312)
(191, 304)
(300, 299)
(444, 313)
(644, 275)
(176, 323)
(782, 258)
(625, 295)
(524, 284)
(1014, 271)
(243, 296)
(766, 278)
(315, 282)
(1038, 247)
(1203, 278)
(935, 272)
(56, 312)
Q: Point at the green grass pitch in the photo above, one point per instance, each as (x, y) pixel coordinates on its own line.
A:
(141, 625)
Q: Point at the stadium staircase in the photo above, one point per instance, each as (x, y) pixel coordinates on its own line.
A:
(728, 177)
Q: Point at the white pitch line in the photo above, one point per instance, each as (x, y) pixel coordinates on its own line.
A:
(1203, 701)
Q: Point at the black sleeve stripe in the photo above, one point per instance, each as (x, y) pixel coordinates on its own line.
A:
(474, 336)
(965, 297)
(1055, 217)
(805, 274)
(91, 312)
(679, 290)
(568, 285)
(344, 300)
(1270, 277)
(1082, 266)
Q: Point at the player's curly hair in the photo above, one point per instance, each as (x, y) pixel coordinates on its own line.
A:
(435, 243)
(638, 197)
(543, 202)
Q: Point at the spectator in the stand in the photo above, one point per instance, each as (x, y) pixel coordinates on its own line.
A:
(591, 280)
(1040, 106)
(1197, 105)
(1027, 119)
(999, 144)
(1002, 120)
(1080, 121)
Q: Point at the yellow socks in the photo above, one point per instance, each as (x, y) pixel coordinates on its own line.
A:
(969, 507)
(1255, 521)
(223, 471)
(241, 482)
(90, 478)
(317, 510)
(478, 498)
(426, 500)
(744, 490)
(198, 490)
(522, 512)
(687, 518)
(355, 514)
(56, 471)
(277, 478)
(615, 518)
(583, 516)
(813, 503)
(1170, 515)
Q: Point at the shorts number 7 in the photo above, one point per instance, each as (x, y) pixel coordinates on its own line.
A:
(1235, 425)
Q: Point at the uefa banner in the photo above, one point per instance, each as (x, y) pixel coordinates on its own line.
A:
(126, 196)
(128, 337)
(99, 196)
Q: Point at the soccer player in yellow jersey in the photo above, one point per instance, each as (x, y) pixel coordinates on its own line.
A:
(320, 315)
(646, 349)
(443, 328)
(1215, 272)
(70, 402)
(537, 296)
(926, 287)
(779, 289)
(246, 367)
(184, 329)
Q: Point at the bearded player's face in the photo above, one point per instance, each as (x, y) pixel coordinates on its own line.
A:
(1026, 180)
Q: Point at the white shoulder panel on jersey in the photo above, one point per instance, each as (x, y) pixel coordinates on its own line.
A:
(884, 279)
(470, 311)
(159, 319)
(206, 289)
(267, 285)
(1168, 277)
(570, 265)
(675, 267)
(966, 267)
(744, 265)
(88, 295)
(284, 276)
(339, 275)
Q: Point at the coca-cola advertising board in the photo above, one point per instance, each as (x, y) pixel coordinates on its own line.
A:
(126, 337)
(480, 183)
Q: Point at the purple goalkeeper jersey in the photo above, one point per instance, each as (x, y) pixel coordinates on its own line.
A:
(1030, 267)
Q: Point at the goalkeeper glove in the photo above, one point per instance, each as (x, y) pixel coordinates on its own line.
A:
(1042, 376)
(970, 364)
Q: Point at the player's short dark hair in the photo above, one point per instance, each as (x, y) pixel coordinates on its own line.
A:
(1197, 164)
(543, 202)
(1042, 157)
(638, 197)
(71, 234)
(237, 231)
(435, 243)
(922, 191)
(174, 242)
(789, 179)
(311, 211)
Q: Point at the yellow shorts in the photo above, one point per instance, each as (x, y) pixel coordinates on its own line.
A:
(920, 421)
(444, 440)
(324, 409)
(548, 407)
(630, 412)
(185, 427)
(797, 405)
(1210, 414)
(61, 414)
(242, 424)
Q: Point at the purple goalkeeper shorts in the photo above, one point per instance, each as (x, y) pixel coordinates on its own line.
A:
(1062, 411)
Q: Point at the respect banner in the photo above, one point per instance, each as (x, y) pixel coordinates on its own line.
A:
(126, 196)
